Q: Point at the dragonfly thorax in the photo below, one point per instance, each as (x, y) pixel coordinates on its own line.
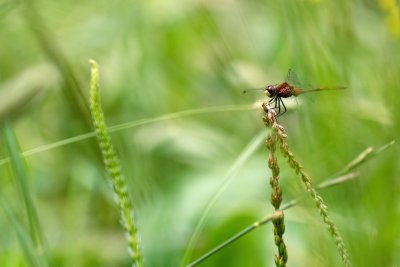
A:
(280, 90)
(285, 90)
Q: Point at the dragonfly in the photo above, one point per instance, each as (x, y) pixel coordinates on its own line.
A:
(290, 87)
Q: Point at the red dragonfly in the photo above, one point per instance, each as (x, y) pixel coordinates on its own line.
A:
(290, 87)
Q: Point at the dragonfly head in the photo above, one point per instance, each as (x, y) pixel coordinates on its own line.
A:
(270, 90)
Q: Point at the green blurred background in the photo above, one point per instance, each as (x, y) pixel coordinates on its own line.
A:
(159, 57)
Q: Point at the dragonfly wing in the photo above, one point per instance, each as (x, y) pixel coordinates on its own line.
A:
(292, 78)
(252, 90)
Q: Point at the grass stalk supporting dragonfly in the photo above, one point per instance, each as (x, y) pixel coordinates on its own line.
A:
(271, 122)
(276, 200)
(345, 175)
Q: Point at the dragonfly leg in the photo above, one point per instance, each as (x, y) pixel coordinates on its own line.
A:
(278, 103)
(284, 107)
(272, 101)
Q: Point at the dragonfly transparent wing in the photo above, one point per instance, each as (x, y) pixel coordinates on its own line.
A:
(252, 90)
(292, 79)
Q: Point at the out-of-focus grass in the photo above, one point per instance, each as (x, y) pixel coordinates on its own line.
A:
(159, 57)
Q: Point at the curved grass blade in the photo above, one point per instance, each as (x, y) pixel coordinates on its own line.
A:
(241, 159)
(133, 124)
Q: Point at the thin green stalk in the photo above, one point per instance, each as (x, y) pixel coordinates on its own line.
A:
(114, 169)
(269, 218)
(241, 159)
(270, 121)
(367, 154)
(24, 240)
(276, 215)
(21, 178)
(132, 124)
(276, 200)
(337, 180)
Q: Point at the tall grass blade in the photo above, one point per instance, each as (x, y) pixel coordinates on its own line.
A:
(24, 239)
(21, 179)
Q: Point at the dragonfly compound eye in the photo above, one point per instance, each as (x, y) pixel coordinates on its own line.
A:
(270, 90)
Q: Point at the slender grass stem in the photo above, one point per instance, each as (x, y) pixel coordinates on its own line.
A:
(270, 121)
(275, 215)
(22, 182)
(276, 200)
(278, 213)
(132, 124)
(114, 169)
(241, 159)
(341, 177)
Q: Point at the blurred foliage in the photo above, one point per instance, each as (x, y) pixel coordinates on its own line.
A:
(159, 57)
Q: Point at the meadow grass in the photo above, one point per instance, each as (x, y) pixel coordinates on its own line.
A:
(186, 135)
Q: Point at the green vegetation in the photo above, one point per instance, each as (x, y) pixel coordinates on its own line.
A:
(189, 142)
(114, 169)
